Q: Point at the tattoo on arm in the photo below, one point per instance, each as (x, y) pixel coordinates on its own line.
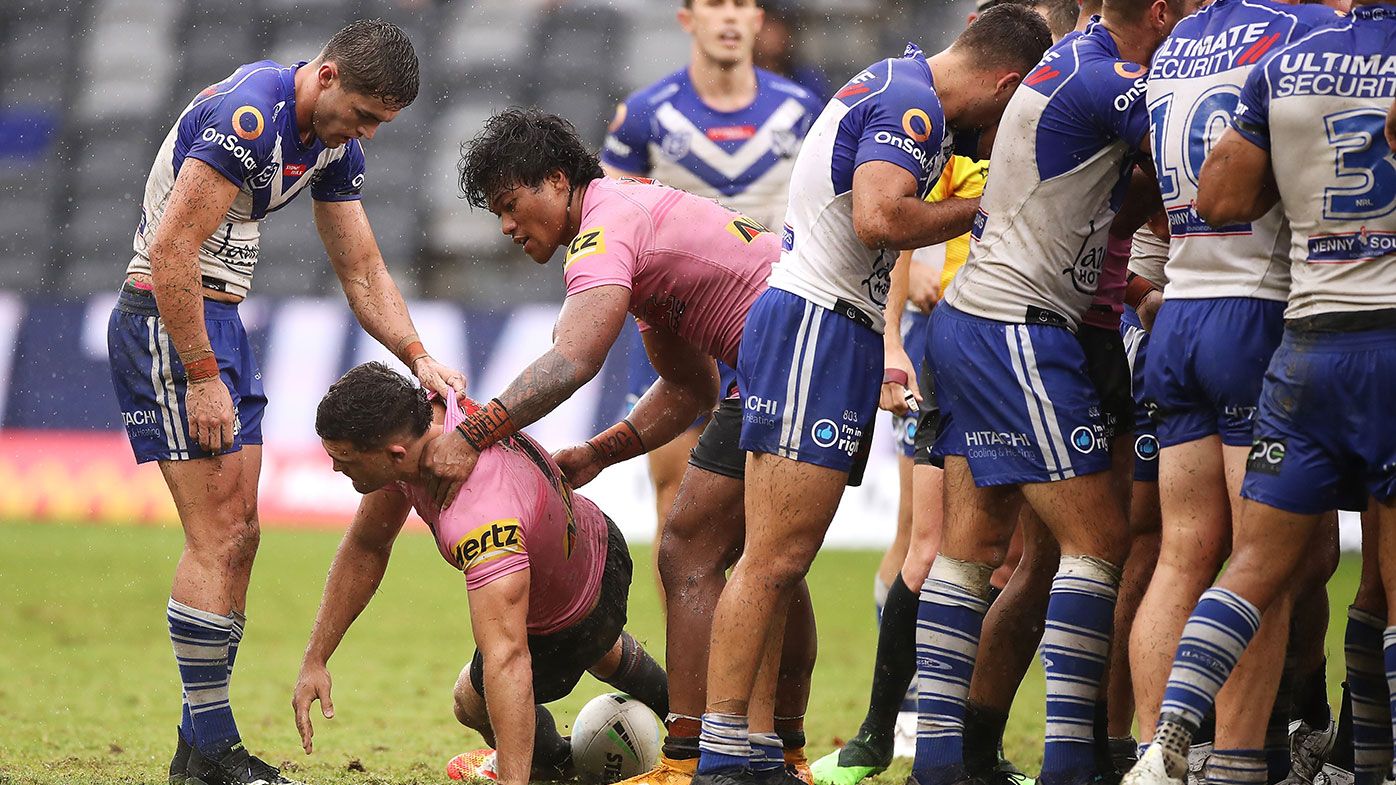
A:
(542, 387)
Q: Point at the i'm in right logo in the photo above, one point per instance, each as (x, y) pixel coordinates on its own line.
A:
(825, 433)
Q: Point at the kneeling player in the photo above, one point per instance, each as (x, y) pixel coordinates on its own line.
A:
(546, 572)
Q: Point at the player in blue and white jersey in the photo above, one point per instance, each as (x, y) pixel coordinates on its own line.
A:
(1214, 335)
(1307, 132)
(722, 128)
(189, 388)
(1025, 402)
(812, 360)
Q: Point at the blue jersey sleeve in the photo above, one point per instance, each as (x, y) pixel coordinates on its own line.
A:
(342, 180)
(1252, 118)
(903, 125)
(1121, 103)
(229, 133)
(627, 146)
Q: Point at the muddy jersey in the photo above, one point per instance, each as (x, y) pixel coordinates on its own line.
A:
(1065, 146)
(1194, 84)
(692, 266)
(888, 112)
(741, 158)
(516, 512)
(245, 128)
(1319, 106)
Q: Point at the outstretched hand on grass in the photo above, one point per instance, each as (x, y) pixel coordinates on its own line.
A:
(312, 685)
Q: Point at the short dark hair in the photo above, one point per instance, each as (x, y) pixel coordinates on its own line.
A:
(376, 59)
(1061, 15)
(1006, 36)
(523, 147)
(1134, 10)
(369, 405)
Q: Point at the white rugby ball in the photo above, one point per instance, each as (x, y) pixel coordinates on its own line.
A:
(614, 737)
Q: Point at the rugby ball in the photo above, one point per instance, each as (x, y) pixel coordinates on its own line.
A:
(614, 737)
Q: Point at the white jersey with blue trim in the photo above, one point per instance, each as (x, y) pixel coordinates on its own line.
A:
(888, 112)
(741, 158)
(1194, 83)
(1065, 145)
(1319, 106)
(245, 128)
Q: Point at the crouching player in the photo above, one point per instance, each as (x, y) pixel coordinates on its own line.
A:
(547, 573)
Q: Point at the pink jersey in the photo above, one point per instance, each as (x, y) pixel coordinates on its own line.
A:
(1109, 302)
(517, 512)
(691, 265)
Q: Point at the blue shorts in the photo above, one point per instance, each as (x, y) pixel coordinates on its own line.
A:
(641, 375)
(1322, 439)
(1145, 438)
(150, 384)
(1017, 400)
(914, 336)
(1207, 361)
(810, 380)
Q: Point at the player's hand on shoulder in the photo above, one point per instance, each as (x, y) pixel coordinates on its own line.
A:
(438, 377)
(579, 463)
(313, 684)
(449, 461)
(210, 408)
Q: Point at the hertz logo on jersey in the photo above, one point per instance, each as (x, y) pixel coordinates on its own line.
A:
(587, 243)
(745, 229)
(486, 543)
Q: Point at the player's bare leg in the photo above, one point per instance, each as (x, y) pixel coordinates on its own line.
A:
(1366, 671)
(667, 464)
(700, 541)
(895, 554)
(1144, 523)
(216, 500)
(1197, 481)
(1012, 630)
(551, 752)
(789, 507)
(1304, 696)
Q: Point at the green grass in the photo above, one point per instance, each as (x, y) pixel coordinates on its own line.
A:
(88, 690)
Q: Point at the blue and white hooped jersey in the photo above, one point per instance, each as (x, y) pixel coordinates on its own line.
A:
(888, 112)
(742, 158)
(1066, 143)
(1319, 106)
(245, 127)
(1194, 84)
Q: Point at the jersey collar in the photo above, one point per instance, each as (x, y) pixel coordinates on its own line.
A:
(288, 89)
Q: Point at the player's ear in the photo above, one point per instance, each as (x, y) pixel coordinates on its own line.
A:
(1008, 83)
(327, 73)
(397, 453)
(685, 17)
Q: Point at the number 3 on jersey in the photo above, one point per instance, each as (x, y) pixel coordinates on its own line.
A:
(1365, 166)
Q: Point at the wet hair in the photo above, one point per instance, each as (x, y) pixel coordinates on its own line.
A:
(1061, 15)
(376, 59)
(523, 147)
(1134, 10)
(1007, 36)
(371, 404)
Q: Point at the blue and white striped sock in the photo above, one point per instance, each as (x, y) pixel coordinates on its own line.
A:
(1389, 658)
(767, 753)
(1236, 767)
(186, 724)
(1219, 630)
(200, 641)
(1371, 725)
(954, 599)
(723, 743)
(1075, 650)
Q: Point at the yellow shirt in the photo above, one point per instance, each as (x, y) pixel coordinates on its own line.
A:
(964, 178)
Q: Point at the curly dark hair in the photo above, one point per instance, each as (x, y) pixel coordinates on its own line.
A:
(376, 59)
(523, 147)
(369, 405)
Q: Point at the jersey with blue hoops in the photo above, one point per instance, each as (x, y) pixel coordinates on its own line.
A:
(1319, 106)
(741, 158)
(1067, 140)
(888, 112)
(245, 128)
(1194, 84)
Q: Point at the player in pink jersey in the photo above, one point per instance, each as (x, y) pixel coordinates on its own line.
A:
(547, 574)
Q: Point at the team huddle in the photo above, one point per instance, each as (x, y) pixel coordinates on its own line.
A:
(1117, 271)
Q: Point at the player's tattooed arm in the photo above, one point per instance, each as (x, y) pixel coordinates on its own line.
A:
(355, 574)
(197, 206)
(585, 330)
(887, 213)
(498, 620)
(1236, 184)
(373, 296)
